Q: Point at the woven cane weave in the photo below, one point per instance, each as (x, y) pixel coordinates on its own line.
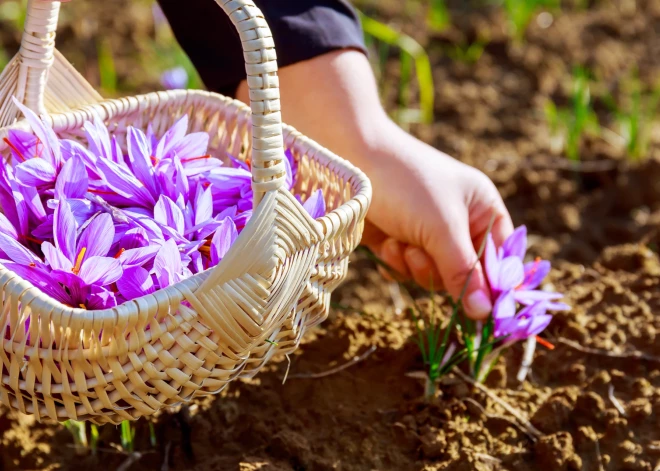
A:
(192, 338)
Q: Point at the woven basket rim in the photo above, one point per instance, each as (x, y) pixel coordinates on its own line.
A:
(121, 107)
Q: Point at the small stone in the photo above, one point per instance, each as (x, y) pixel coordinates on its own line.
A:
(434, 444)
(556, 452)
(553, 415)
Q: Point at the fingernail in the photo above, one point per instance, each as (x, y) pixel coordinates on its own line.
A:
(478, 304)
(417, 259)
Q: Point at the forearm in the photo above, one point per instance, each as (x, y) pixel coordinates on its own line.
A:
(334, 100)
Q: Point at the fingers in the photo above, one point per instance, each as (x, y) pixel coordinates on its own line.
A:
(503, 226)
(422, 268)
(455, 258)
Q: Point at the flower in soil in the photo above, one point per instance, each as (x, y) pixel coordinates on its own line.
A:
(520, 309)
(506, 273)
(174, 78)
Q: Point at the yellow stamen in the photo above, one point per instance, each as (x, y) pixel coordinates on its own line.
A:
(79, 260)
(82, 306)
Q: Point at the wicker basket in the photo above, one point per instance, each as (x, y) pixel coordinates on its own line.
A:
(190, 339)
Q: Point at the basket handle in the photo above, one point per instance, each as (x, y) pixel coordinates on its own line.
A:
(267, 166)
(37, 52)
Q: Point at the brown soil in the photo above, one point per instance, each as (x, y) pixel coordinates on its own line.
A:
(600, 229)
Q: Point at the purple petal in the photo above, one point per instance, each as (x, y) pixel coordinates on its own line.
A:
(511, 274)
(22, 144)
(172, 137)
(28, 199)
(42, 280)
(100, 270)
(98, 138)
(139, 153)
(532, 296)
(72, 149)
(166, 212)
(6, 227)
(135, 282)
(138, 256)
(124, 184)
(167, 263)
(36, 173)
(203, 205)
(535, 272)
(192, 146)
(224, 236)
(516, 244)
(55, 258)
(315, 204)
(537, 324)
(16, 252)
(505, 306)
(100, 298)
(134, 238)
(97, 237)
(72, 181)
(51, 146)
(550, 306)
(491, 263)
(16, 215)
(64, 230)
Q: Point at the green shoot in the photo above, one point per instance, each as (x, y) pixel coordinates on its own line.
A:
(433, 341)
(127, 436)
(520, 13)
(94, 438)
(107, 69)
(439, 18)
(79, 434)
(467, 53)
(380, 33)
(152, 435)
(634, 114)
(569, 125)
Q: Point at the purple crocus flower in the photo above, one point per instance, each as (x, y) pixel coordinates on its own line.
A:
(506, 272)
(77, 262)
(174, 78)
(529, 322)
(315, 204)
(39, 170)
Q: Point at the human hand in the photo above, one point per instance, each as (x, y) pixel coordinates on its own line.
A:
(430, 214)
(429, 211)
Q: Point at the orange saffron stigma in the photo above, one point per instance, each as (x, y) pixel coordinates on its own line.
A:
(201, 157)
(119, 253)
(82, 306)
(32, 264)
(79, 260)
(32, 239)
(100, 192)
(545, 343)
(36, 148)
(13, 147)
(154, 160)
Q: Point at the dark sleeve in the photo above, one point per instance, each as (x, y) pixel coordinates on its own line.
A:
(302, 29)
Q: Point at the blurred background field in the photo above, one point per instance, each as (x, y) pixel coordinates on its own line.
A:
(557, 102)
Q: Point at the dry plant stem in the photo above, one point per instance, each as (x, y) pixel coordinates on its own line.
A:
(500, 417)
(485, 457)
(354, 361)
(132, 459)
(533, 431)
(597, 351)
(615, 402)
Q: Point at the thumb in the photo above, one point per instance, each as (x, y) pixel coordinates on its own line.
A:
(458, 264)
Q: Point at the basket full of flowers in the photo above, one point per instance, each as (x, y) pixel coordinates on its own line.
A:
(154, 248)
